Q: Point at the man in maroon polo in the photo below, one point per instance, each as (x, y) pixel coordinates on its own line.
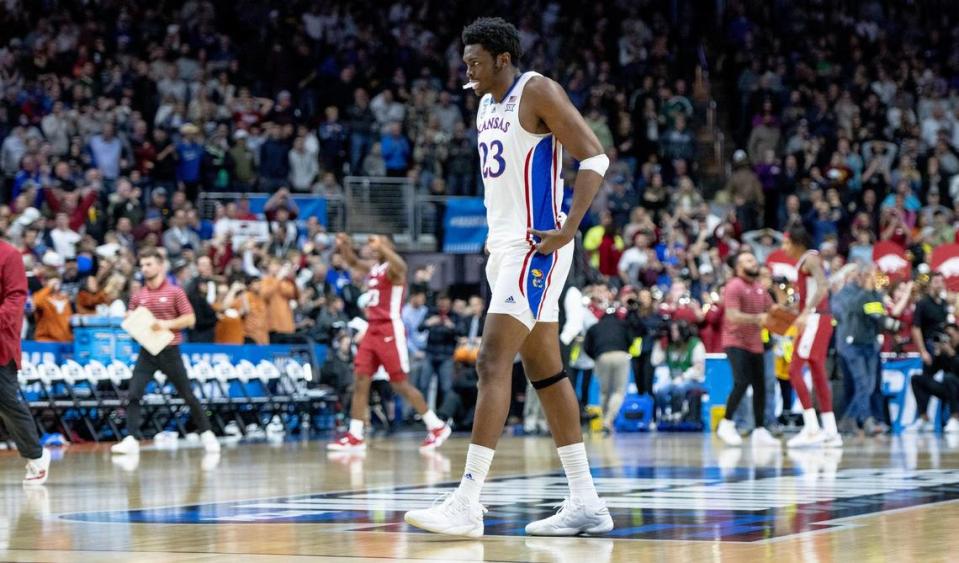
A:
(745, 303)
(15, 415)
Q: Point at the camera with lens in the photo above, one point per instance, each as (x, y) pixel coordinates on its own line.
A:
(889, 324)
(940, 338)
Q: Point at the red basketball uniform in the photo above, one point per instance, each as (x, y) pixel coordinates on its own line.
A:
(384, 343)
(814, 341)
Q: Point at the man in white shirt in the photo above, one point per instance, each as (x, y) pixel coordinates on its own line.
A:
(64, 238)
(635, 259)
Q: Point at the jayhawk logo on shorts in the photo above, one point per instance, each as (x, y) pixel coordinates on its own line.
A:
(537, 277)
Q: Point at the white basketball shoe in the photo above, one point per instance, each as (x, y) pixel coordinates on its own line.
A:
(807, 438)
(451, 515)
(574, 517)
(38, 470)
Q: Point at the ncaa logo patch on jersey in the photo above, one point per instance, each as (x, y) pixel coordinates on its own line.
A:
(511, 103)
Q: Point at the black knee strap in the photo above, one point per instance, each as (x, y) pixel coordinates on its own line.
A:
(544, 383)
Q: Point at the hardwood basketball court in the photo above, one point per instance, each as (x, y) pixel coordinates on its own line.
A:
(674, 497)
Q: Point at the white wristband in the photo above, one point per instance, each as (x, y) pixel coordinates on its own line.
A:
(598, 164)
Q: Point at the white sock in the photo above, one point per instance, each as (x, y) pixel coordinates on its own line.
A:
(432, 421)
(829, 422)
(810, 422)
(356, 428)
(478, 460)
(576, 466)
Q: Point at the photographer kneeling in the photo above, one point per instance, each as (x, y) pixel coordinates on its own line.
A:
(937, 346)
(925, 386)
(685, 356)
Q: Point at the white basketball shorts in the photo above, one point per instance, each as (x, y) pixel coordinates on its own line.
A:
(526, 284)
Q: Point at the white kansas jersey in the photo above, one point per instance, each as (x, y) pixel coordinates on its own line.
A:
(522, 171)
(524, 190)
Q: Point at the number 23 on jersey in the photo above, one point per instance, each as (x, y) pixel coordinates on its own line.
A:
(492, 156)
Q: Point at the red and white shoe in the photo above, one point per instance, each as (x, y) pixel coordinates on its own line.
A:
(38, 470)
(435, 438)
(348, 443)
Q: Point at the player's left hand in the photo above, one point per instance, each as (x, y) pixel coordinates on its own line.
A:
(160, 325)
(551, 241)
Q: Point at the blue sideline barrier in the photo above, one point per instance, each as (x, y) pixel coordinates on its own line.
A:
(896, 374)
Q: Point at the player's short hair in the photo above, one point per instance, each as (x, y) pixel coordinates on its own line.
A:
(151, 252)
(798, 235)
(496, 35)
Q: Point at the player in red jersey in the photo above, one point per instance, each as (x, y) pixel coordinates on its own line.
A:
(813, 331)
(384, 343)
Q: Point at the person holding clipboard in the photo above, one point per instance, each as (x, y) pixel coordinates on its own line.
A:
(172, 313)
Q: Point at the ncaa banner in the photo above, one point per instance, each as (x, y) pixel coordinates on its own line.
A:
(465, 226)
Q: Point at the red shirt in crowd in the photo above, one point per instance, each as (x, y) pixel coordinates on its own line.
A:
(609, 256)
(13, 296)
(751, 298)
(166, 302)
(711, 330)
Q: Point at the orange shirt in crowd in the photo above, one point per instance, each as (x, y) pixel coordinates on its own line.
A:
(229, 327)
(53, 312)
(277, 294)
(87, 302)
(255, 323)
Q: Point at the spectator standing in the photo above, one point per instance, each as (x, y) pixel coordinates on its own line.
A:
(244, 162)
(608, 343)
(52, 309)
(107, 150)
(202, 293)
(303, 167)
(189, 157)
(14, 413)
(441, 324)
(396, 151)
(414, 314)
(274, 160)
(361, 123)
(277, 291)
(333, 138)
(256, 329)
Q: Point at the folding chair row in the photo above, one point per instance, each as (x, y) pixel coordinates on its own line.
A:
(88, 398)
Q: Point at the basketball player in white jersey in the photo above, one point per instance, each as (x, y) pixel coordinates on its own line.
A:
(525, 120)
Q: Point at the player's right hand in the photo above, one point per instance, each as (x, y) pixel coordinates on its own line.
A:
(551, 241)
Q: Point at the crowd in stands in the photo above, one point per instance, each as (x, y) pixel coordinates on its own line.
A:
(115, 116)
